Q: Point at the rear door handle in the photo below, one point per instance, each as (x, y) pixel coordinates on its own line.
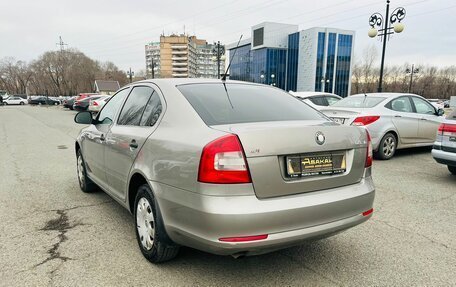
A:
(397, 116)
(133, 144)
(423, 119)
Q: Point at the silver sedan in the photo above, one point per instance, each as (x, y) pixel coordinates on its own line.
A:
(394, 120)
(229, 168)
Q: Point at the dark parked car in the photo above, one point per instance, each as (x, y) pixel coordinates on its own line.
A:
(43, 101)
(83, 105)
(68, 103)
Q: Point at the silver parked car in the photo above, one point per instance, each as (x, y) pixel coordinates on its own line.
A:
(229, 168)
(444, 149)
(317, 100)
(394, 120)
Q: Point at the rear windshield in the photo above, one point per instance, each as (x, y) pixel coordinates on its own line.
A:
(245, 104)
(359, 102)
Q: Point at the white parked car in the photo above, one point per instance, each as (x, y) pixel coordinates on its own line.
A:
(317, 100)
(394, 120)
(96, 105)
(15, 100)
(437, 103)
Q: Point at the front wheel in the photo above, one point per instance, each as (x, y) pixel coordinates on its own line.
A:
(452, 169)
(85, 183)
(387, 147)
(22, 103)
(152, 239)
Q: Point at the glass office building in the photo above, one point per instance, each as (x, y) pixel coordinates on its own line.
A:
(316, 59)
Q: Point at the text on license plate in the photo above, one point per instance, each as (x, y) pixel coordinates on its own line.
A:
(339, 120)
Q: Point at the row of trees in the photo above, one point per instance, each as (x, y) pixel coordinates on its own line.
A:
(430, 81)
(56, 73)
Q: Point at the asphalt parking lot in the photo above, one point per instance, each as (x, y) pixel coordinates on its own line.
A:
(53, 234)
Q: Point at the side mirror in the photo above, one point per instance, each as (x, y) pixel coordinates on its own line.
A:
(84, 118)
(440, 112)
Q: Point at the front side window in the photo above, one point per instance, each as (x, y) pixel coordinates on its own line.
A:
(134, 107)
(219, 104)
(402, 104)
(109, 111)
(423, 107)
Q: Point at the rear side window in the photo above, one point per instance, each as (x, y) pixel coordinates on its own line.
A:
(319, 101)
(332, 100)
(240, 103)
(401, 104)
(134, 106)
(152, 111)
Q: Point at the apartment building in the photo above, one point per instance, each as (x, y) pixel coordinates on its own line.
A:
(153, 58)
(182, 56)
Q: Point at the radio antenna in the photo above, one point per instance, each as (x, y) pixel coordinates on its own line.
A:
(231, 60)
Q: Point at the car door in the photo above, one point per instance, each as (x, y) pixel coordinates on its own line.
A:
(429, 120)
(404, 119)
(135, 124)
(95, 138)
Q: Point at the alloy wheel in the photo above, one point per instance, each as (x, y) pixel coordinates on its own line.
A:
(389, 146)
(80, 167)
(145, 223)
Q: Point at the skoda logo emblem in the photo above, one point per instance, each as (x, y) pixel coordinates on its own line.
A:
(320, 138)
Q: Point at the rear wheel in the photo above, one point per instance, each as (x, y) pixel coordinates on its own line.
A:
(85, 183)
(22, 103)
(152, 239)
(387, 147)
(452, 169)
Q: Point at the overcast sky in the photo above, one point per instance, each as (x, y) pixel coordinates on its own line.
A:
(117, 30)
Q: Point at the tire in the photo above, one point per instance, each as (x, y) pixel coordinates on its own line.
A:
(71, 108)
(5, 104)
(21, 103)
(452, 169)
(151, 236)
(85, 183)
(387, 147)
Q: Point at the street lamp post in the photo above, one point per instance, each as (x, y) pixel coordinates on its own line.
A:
(130, 74)
(389, 28)
(219, 55)
(323, 85)
(411, 71)
(272, 80)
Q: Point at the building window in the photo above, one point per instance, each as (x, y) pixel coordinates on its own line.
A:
(292, 69)
(344, 50)
(320, 60)
(258, 37)
(330, 62)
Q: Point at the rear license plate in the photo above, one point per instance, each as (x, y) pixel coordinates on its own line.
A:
(315, 164)
(339, 120)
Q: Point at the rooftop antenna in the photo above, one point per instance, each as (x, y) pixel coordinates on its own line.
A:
(231, 60)
(61, 44)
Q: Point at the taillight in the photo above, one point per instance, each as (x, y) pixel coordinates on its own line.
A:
(369, 152)
(365, 120)
(368, 212)
(223, 161)
(447, 130)
(94, 103)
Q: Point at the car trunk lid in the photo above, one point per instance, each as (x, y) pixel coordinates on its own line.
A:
(269, 145)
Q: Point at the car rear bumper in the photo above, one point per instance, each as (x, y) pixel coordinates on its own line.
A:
(444, 157)
(199, 221)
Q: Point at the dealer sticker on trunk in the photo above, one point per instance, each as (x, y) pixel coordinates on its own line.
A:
(316, 164)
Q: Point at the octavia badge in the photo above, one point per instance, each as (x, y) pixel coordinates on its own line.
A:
(320, 138)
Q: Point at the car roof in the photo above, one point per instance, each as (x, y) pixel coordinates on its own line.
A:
(185, 81)
(384, 95)
(310, 94)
